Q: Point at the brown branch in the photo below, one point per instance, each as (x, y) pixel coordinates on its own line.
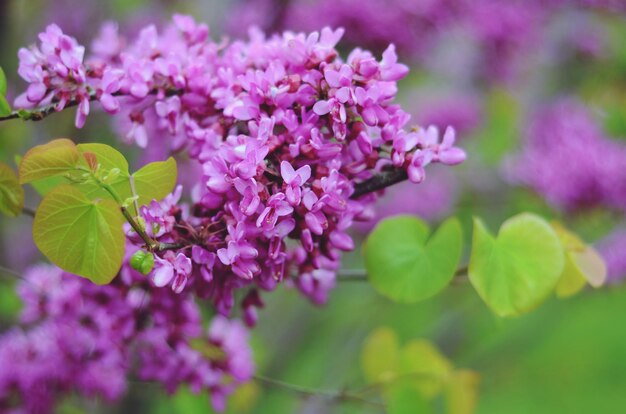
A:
(27, 211)
(379, 181)
(38, 114)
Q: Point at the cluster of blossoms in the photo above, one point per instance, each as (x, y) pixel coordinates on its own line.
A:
(292, 144)
(284, 131)
(502, 31)
(86, 338)
(569, 161)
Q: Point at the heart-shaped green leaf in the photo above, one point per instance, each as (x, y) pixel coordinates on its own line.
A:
(516, 271)
(155, 180)
(405, 265)
(79, 235)
(56, 157)
(11, 192)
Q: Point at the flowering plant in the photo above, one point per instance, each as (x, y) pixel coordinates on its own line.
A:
(288, 145)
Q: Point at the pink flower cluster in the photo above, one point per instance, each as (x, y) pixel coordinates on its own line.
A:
(84, 338)
(569, 161)
(283, 129)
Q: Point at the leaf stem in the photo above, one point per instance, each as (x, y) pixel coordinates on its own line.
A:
(150, 243)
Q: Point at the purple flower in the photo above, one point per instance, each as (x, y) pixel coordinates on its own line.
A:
(173, 269)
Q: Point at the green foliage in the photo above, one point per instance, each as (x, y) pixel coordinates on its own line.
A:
(108, 159)
(44, 185)
(462, 392)
(379, 356)
(583, 264)
(79, 235)
(407, 264)
(143, 262)
(516, 271)
(5, 107)
(3, 82)
(11, 192)
(155, 180)
(78, 225)
(412, 376)
(57, 157)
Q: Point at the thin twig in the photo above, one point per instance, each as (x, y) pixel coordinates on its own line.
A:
(360, 275)
(395, 378)
(27, 211)
(4, 271)
(38, 114)
(337, 395)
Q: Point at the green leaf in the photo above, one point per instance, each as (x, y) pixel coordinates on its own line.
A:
(405, 265)
(571, 281)
(11, 192)
(44, 185)
(425, 367)
(516, 271)
(462, 392)
(108, 158)
(380, 355)
(54, 158)
(155, 180)
(79, 235)
(5, 107)
(3, 82)
(583, 264)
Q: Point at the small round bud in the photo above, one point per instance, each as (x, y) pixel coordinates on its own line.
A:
(143, 262)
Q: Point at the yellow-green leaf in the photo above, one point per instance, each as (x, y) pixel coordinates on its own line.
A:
(11, 192)
(108, 158)
(155, 180)
(462, 392)
(583, 264)
(54, 158)
(380, 355)
(520, 268)
(5, 107)
(425, 367)
(81, 236)
(3, 83)
(571, 281)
